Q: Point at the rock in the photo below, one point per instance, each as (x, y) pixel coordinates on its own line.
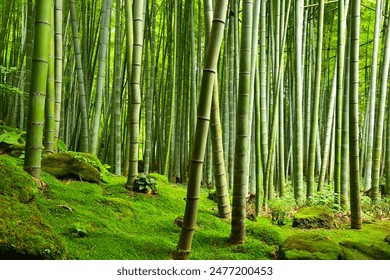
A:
(309, 246)
(73, 165)
(314, 217)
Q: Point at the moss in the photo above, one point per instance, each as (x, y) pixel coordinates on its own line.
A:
(355, 250)
(24, 234)
(71, 165)
(309, 246)
(15, 182)
(314, 217)
(160, 179)
(268, 234)
(81, 220)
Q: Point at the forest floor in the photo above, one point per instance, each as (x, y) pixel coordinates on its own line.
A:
(68, 219)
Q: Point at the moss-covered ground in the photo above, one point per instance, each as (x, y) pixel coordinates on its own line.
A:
(67, 219)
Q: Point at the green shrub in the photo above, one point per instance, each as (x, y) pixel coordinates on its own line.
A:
(145, 184)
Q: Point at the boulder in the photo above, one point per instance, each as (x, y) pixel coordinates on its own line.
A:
(72, 165)
(314, 217)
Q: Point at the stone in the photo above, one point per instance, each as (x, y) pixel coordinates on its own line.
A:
(314, 217)
(70, 165)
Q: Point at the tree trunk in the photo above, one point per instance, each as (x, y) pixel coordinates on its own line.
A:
(202, 126)
(356, 220)
(40, 64)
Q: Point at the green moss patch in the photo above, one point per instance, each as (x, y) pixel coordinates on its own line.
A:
(355, 250)
(14, 182)
(309, 246)
(159, 178)
(314, 217)
(23, 232)
(267, 234)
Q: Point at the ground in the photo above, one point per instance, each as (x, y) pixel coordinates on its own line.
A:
(70, 219)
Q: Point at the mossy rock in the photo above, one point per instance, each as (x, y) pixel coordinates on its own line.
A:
(314, 217)
(309, 246)
(354, 250)
(80, 166)
(15, 182)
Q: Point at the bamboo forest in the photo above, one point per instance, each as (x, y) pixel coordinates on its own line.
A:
(203, 130)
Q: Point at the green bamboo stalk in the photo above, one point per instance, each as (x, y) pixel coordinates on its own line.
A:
(339, 98)
(316, 103)
(49, 127)
(129, 63)
(298, 129)
(240, 186)
(117, 91)
(216, 136)
(58, 22)
(368, 165)
(104, 31)
(356, 220)
(380, 118)
(204, 108)
(40, 64)
(84, 143)
(135, 92)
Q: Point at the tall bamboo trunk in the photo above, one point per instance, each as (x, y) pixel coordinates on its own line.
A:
(36, 105)
(202, 126)
(356, 220)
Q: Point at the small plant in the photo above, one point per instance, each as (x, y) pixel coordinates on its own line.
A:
(79, 230)
(278, 217)
(145, 184)
(12, 141)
